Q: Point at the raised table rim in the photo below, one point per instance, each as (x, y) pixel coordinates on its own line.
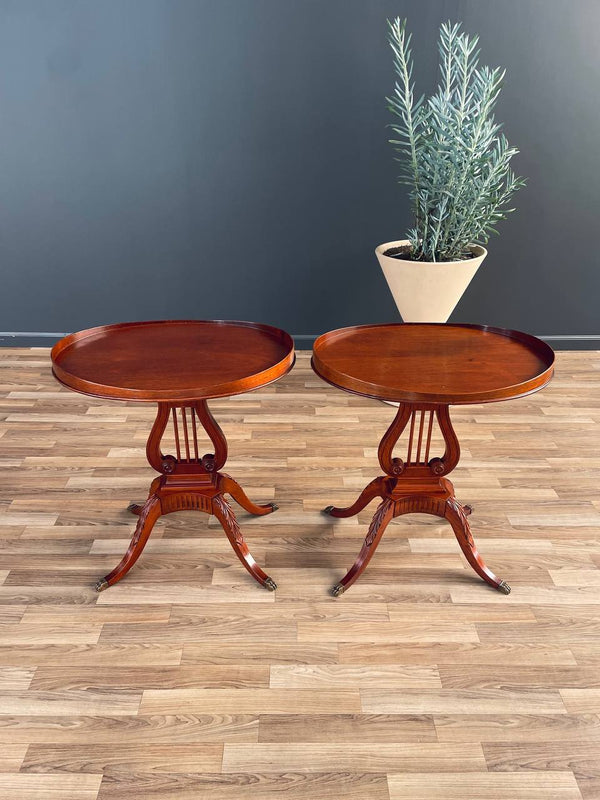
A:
(226, 389)
(355, 385)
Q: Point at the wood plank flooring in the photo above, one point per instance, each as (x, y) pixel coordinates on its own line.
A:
(188, 681)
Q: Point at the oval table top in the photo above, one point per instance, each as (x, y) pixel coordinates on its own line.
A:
(433, 363)
(172, 360)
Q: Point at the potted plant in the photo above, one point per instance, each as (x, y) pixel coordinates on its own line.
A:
(456, 162)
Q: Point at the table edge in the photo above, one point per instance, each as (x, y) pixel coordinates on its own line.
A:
(366, 389)
(229, 389)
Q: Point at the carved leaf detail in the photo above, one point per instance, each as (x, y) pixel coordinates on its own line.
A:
(142, 519)
(459, 510)
(229, 518)
(376, 522)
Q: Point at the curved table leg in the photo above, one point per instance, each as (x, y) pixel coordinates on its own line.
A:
(223, 512)
(230, 486)
(381, 518)
(449, 509)
(189, 482)
(375, 489)
(148, 514)
(416, 484)
(456, 514)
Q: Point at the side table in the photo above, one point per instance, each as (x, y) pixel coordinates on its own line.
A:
(426, 368)
(179, 365)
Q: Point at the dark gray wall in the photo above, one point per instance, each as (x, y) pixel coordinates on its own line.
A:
(229, 158)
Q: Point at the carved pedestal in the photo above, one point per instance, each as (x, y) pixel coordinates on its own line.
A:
(416, 484)
(190, 482)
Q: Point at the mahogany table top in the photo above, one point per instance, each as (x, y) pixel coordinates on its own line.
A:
(172, 360)
(433, 363)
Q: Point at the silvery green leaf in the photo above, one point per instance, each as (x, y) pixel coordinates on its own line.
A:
(451, 151)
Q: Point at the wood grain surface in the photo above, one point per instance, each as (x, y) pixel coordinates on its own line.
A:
(416, 362)
(188, 681)
(167, 360)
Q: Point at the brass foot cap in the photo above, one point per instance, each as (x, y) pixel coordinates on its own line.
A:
(274, 506)
(504, 587)
(328, 509)
(270, 584)
(101, 585)
(338, 589)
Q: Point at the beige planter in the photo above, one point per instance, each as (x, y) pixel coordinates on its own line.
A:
(426, 291)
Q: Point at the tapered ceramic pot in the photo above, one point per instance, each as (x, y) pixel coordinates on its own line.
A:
(427, 291)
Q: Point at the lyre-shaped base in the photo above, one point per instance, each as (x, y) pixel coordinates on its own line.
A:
(190, 482)
(416, 484)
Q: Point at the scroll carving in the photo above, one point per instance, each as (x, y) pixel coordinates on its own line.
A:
(417, 462)
(184, 420)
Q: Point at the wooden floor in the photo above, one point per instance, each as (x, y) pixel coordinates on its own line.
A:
(188, 680)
